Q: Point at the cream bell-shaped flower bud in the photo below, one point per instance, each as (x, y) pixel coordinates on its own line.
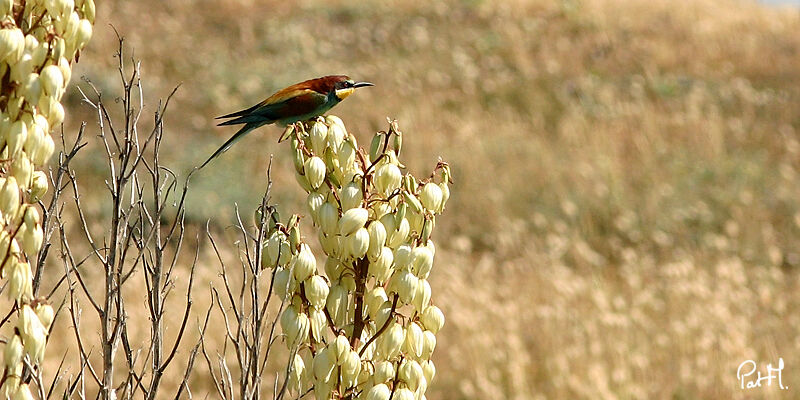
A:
(377, 239)
(32, 240)
(23, 393)
(411, 373)
(351, 196)
(38, 186)
(331, 245)
(31, 88)
(423, 296)
(304, 263)
(404, 283)
(336, 304)
(336, 135)
(324, 362)
(403, 394)
(381, 267)
(296, 374)
(52, 80)
(16, 138)
(387, 178)
(318, 323)
(9, 196)
(421, 261)
(318, 135)
(82, 34)
(5, 7)
(314, 201)
(340, 346)
(333, 268)
(374, 298)
(88, 9)
(428, 345)
(12, 44)
(400, 235)
(30, 216)
(391, 341)
(403, 256)
(19, 286)
(350, 367)
(297, 327)
(433, 319)
(34, 338)
(414, 339)
(314, 169)
(359, 243)
(381, 314)
(45, 313)
(12, 353)
(429, 370)
(379, 392)
(347, 154)
(56, 112)
(431, 197)
(317, 291)
(284, 284)
(328, 218)
(352, 220)
(384, 371)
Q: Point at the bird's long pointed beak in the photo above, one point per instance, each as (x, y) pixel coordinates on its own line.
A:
(362, 84)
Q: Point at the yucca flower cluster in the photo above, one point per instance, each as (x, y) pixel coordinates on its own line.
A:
(366, 328)
(39, 39)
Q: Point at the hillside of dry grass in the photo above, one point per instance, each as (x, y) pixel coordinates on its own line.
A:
(625, 219)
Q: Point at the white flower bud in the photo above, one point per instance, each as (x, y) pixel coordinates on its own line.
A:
(295, 325)
(314, 169)
(34, 336)
(328, 218)
(347, 155)
(351, 366)
(403, 394)
(414, 339)
(429, 370)
(12, 354)
(314, 201)
(358, 243)
(296, 374)
(55, 116)
(351, 196)
(88, 9)
(52, 80)
(374, 299)
(400, 235)
(318, 136)
(30, 216)
(38, 186)
(12, 44)
(339, 347)
(381, 267)
(284, 284)
(317, 291)
(382, 313)
(431, 197)
(352, 220)
(379, 392)
(45, 313)
(333, 268)
(32, 240)
(384, 370)
(337, 304)
(330, 245)
(403, 256)
(387, 178)
(422, 298)
(318, 323)
(421, 261)
(23, 393)
(411, 373)
(324, 362)
(433, 319)
(31, 88)
(336, 134)
(9, 196)
(377, 239)
(404, 283)
(304, 264)
(16, 138)
(19, 285)
(428, 345)
(390, 341)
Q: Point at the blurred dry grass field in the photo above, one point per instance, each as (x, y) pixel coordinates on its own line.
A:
(625, 219)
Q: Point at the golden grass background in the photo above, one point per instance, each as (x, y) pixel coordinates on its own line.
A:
(625, 218)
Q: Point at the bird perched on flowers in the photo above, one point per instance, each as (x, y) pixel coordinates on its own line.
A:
(299, 102)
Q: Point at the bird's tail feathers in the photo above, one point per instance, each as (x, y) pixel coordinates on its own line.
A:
(235, 138)
(239, 113)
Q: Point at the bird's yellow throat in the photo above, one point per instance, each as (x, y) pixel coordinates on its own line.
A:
(343, 93)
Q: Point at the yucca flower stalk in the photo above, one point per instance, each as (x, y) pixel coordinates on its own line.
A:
(365, 327)
(39, 41)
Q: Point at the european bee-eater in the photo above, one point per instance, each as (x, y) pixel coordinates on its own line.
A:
(299, 102)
